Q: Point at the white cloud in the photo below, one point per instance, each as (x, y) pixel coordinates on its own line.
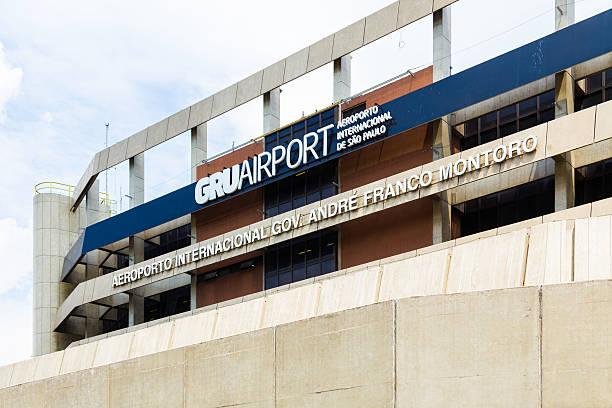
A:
(16, 318)
(15, 291)
(10, 81)
(47, 117)
(16, 255)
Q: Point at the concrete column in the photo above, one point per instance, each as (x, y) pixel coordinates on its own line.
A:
(194, 292)
(136, 242)
(136, 309)
(342, 78)
(199, 140)
(441, 130)
(565, 185)
(199, 150)
(564, 13)
(93, 325)
(56, 228)
(441, 43)
(271, 110)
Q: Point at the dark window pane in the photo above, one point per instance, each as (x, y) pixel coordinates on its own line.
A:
(507, 114)
(528, 122)
(528, 107)
(299, 261)
(608, 77)
(593, 83)
(509, 206)
(547, 100)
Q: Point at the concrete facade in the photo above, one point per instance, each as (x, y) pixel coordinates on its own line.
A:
(55, 230)
(529, 347)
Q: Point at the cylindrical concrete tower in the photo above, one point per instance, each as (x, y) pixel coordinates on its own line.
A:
(56, 228)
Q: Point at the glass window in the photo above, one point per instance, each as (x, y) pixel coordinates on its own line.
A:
(597, 89)
(594, 182)
(506, 207)
(303, 188)
(507, 120)
(301, 258)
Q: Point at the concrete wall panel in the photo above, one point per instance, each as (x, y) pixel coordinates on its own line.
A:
(412, 10)
(418, 276)
(601, 207)
(576, 352)
(340, 360)
(26, 395)
(78, 358)
(116, 153)
(200, 112)
(469, 350)
(177, 123)
(273, 76)
(5, 375)
(239, 318)
(113, 349)
(571, 132)
(193, 329)
(291, 305)
(156, 133)
(506, 253)
(438, 4)
(603, 123)
(152, 381)
(381, 23)
(249, 88)
(137, 143)
(235, 371)
(23, 371)
(320, 53)
(550, 257)
(89, 388)
(349, 291)
(48, 365)
(224, 100)
(296, 65)
(593, 259)
(151, 340)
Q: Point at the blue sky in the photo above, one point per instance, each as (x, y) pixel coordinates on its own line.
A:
(68, 67)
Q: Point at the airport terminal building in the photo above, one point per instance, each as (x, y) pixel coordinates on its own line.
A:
(437, 240)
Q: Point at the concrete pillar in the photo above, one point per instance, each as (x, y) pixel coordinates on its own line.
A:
(342, 78)
(194, 292)
(136, 242)
(271, 110)
(93, 325)
(199, 150)
(56, 228)
(441, 130)
(136, 309)
(199, 140)
(564, 13)
(441, 43)
(565, 182)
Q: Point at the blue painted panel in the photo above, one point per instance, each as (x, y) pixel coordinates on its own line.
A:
(578, 43)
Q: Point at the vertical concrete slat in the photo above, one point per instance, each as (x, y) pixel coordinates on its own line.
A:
(441, 128)
(199, 152)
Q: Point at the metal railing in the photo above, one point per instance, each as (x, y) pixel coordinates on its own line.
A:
(53, 187)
